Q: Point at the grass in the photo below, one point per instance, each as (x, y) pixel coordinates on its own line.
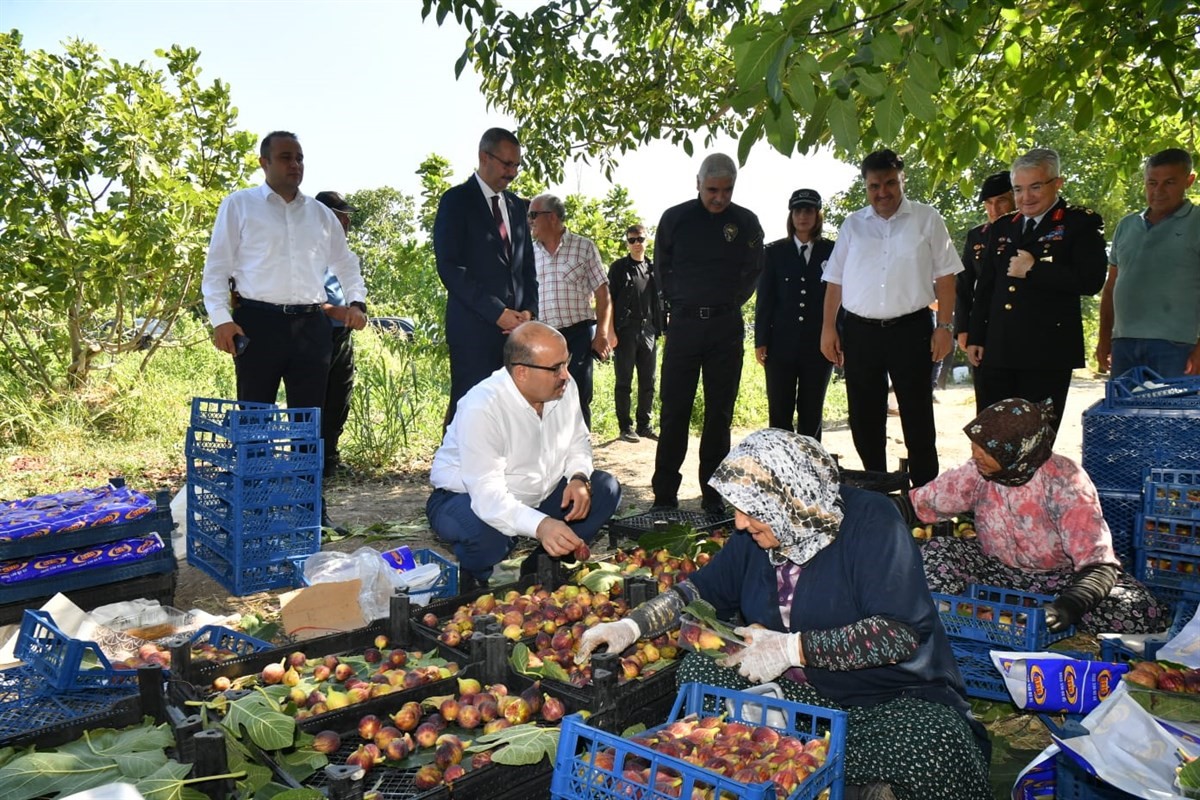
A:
(132, 423)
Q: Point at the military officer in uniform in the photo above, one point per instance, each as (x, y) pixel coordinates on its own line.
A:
(997, 198)
(708, 255)
(1026, 333)
(788, 312)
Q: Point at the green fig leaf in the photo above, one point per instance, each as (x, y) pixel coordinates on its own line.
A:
(524, 744)
(267, 726)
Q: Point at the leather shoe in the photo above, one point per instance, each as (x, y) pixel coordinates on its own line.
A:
(627, 435)
(714, 508)
(648, 433)
(468, 582)
(326, 522)
(664, 505)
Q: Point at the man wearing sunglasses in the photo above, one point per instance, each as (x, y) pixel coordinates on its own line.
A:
(637, 320)
(516, 461)
(485, 260)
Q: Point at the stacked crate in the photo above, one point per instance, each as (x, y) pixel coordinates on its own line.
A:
(254, 492)
(1167, 552)
(1143, 422)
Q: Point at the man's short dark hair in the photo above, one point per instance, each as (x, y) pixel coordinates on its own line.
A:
(638, 228)
(880, 161)
(264, 149)
(494, 136)
(1172, 155)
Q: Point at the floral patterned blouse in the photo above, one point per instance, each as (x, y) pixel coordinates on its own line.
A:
(1053, 522)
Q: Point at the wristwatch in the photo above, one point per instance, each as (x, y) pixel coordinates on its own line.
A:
(946, 325)
(579, 476)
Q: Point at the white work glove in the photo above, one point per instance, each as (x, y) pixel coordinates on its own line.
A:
(768, 655)
(617, 635)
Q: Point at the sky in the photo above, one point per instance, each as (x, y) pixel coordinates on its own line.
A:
(370, 90)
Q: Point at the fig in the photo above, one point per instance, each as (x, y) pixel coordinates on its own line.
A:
(297, 660)
(488, 710)
(381, 642)
(331, 662)
(321, 673)
(496, 725)
(469, 717)
(221, 683)
(582, 553)
(1171, 681)
(398, 658)
(448, 753)
(343, 671)
(498, 690)
(368, 726)
(430, 620)
(517, 711)
(426, 735)
(453, 773)
(408, 717)
(372, 655)
(553, 709)
(468, 686)
(386, 736)
(399, 748)
(533, 696)
(291, 677)
(427, 777)
(298, 697)
(366, 756)
(272, 674)
(512, 632)
(450, 638)
(327, 742)
(449, 709)
(481, 759)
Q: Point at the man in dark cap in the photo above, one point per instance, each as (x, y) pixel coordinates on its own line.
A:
(997, 198)
(341, 365)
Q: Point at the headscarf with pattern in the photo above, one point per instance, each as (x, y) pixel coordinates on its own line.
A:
(789, 482)
(1018, 434)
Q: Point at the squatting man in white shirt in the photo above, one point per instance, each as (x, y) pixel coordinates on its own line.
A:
(517, 461)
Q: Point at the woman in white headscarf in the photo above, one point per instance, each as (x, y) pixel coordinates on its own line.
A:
(862, 633)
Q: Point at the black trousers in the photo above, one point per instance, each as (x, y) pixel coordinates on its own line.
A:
(292, 348)
(636, 349)
(993, 384)
(796, 384)
(712, 347)
(337, 393)
(873, 353)
(579, 344)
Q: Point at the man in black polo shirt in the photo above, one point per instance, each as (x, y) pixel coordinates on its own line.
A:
(709, 253)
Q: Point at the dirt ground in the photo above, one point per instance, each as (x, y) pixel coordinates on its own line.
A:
(395, 504)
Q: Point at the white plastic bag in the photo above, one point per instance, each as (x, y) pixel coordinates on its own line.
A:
(365, 564)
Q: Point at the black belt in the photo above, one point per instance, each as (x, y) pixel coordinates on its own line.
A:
(887, 323)
(307, 308)
(702, 312)
(580, 324)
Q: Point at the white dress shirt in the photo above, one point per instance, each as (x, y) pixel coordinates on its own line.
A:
(507, 458)
(488, 194)
(277, 252)
(886, 267)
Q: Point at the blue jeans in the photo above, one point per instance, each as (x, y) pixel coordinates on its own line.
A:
(1168, 359)
(479, 546)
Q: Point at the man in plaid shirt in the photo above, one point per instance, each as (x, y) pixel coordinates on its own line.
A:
(570, 274)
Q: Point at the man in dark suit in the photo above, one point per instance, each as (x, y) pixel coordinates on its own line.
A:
(485, 260)
(1026, 322)
(997, 198)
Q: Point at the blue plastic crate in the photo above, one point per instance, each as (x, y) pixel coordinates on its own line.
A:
(1160, 569)
(1173, 493)
(243, 549)
(1120, 509)
(256, 490)
(1073, 782)
(447, 584)
(1004, 618)
(239, 517)
(576, 776)
(248, 578)
(63, 663)
(27, 707)
(1121, 444)
(256, 458)
(979, 674)
(241, 421)
(1168, 534)
(1142, 387)
(225, 639)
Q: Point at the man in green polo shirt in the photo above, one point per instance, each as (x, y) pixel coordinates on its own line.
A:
(1150, 308)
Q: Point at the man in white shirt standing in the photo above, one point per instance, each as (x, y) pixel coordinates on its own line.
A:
(270, 249)
(570, 274)
(517, 461)
(891, 260)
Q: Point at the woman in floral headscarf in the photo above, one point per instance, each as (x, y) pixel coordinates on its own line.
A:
(862, 633)
(1039, 524)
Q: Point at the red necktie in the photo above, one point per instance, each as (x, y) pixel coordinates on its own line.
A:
(500, 224)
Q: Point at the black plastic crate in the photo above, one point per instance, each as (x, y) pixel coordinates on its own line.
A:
(636, 525)
(158, 586)
(882, 482)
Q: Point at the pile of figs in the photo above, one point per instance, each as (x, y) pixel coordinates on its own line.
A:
(524, 615)
(745, 753)
(392, 739)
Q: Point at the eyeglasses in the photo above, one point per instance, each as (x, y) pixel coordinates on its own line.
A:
(536, 214)
(555, 368)
(636, 239)
(514, 165)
